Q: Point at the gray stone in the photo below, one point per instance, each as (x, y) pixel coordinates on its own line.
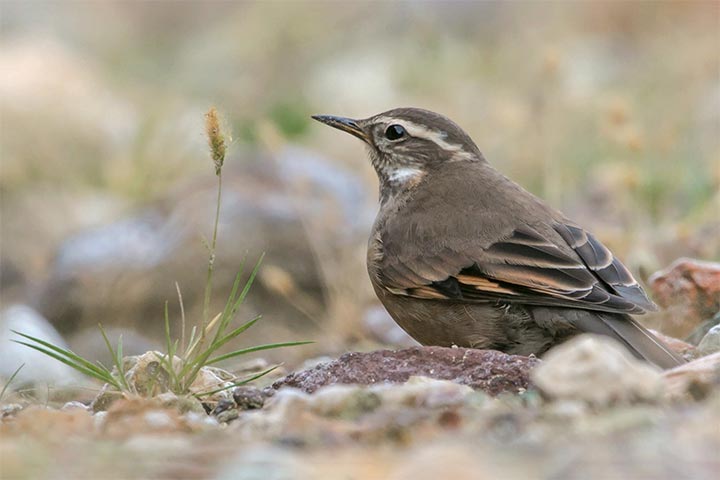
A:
(598, 371)
(37, 368)
(710, 342)
(248, 398)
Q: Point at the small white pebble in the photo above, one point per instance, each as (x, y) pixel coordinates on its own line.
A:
(74, 406)
(201, 420)
(158, 419)
(99, 420)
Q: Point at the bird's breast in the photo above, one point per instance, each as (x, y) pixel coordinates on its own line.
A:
(375, 254)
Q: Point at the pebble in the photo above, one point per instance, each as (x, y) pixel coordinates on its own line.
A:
(158, 419)
(74, 405)
(343, 401)
(710, 342)
(10, 409)
(99, 420)
(37, 368)
(200, 421)
(694, 379)
(248, 398)
(227, 416)
(425, 392)
(225, 411)
(596, 370)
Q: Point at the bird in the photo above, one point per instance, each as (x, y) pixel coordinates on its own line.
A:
(460, 255)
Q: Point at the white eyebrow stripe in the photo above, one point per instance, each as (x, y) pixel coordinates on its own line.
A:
(435, 136)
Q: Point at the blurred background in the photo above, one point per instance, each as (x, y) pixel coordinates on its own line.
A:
(608, 110)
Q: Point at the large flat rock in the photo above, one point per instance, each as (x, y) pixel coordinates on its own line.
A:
(488, 370)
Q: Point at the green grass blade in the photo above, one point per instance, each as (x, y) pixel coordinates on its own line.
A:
(12, 377)
(191, 341)
(116, 360)
(192, 368)
(234, 333)
(121, 362)
(248, 284)
(175, 347)
(239, 383)
(103, 376)
(256, 348)
(62, 351)
(120, 350)
(202, 358)
(228, 313)
(107, 343)
(194, 365)
(233, 292)
(257, 375)
(235, 300)
(182, 317)
(168, 338)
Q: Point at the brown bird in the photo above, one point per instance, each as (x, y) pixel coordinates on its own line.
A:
(462, 255)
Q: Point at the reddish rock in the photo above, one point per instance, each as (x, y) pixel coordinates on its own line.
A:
(49, 424)
(690, 291)
(133, 415)
(695, 379)
(488, 370)
(685, 349)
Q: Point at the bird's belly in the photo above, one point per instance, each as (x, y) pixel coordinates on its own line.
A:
(483, 325)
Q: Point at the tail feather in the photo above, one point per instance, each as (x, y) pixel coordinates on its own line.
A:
(637, 338)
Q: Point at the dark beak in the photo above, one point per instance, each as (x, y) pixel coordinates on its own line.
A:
(345, 124)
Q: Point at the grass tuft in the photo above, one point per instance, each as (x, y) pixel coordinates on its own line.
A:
(182, 360)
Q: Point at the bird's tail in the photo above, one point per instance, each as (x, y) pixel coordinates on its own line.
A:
(636, 338)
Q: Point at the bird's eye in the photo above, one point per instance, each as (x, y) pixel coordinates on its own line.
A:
(394, 132)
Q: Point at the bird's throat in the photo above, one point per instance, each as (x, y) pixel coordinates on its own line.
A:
(398, 180)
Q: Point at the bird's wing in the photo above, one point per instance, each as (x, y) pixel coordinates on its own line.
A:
(525, 267)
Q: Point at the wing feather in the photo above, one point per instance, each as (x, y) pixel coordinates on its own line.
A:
(525, 267)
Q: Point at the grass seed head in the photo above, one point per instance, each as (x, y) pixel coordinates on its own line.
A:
(216, 139)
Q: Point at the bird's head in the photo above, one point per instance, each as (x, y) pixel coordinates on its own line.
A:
(406, 143)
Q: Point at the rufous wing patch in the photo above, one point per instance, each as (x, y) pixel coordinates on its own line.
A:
(484, 284)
